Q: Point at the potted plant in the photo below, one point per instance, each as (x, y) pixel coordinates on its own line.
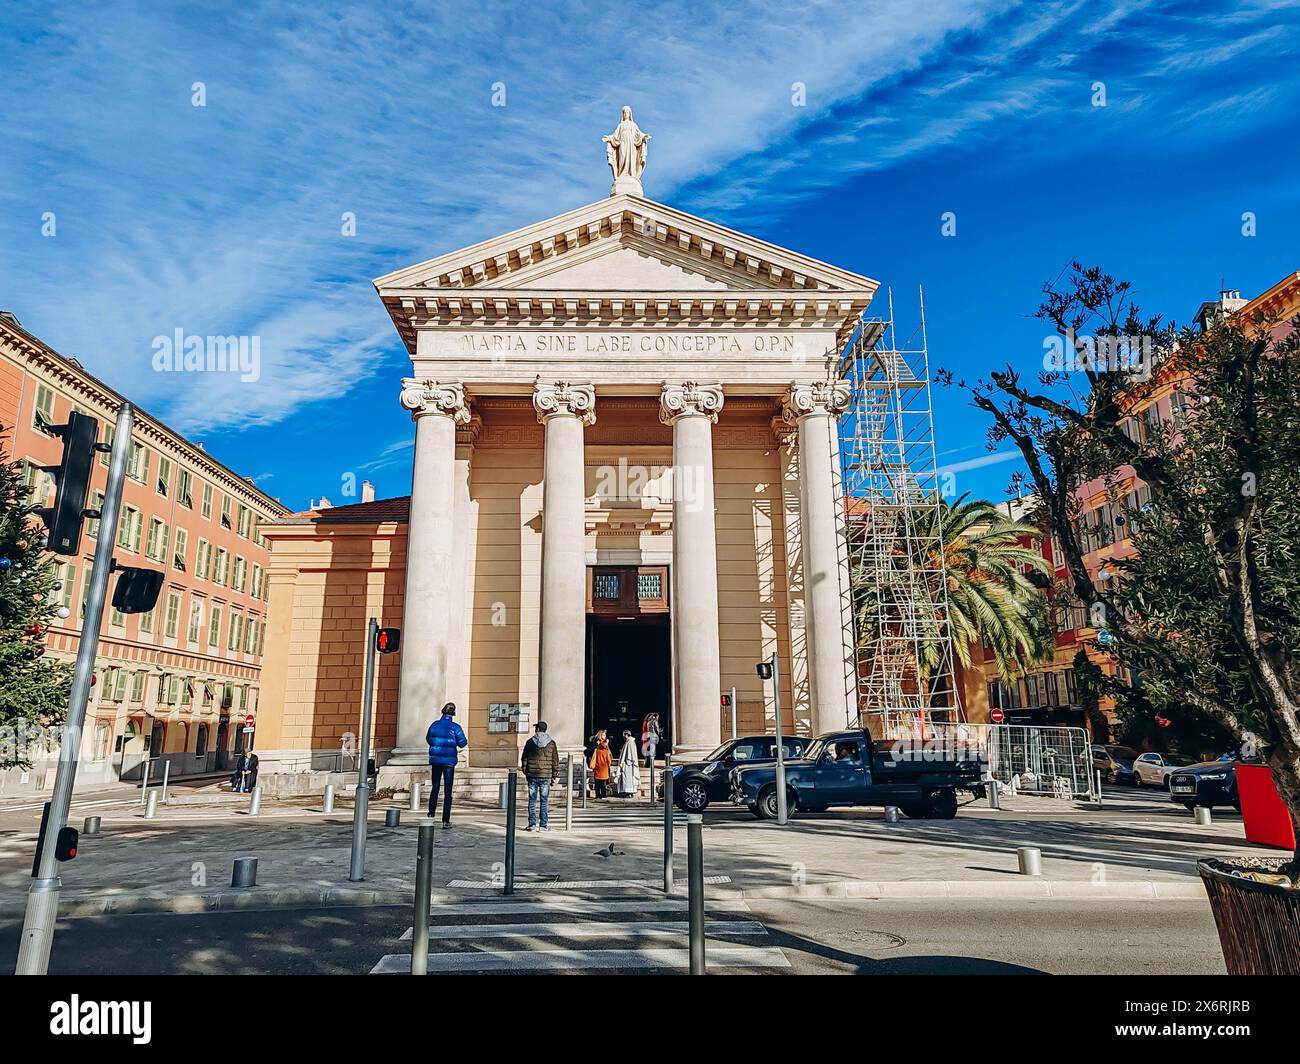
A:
(1186, 444)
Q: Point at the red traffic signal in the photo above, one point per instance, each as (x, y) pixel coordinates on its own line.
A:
(387, 640)
(65, 848)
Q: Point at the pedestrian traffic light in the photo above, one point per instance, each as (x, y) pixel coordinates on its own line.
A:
(72, 481)
(764, 670)
(387, 640)
(137, 589)
(65, 848)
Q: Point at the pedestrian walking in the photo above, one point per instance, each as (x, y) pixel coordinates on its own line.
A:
(629, 767)
(650, 736)
(445, 739)
(541, 765)
(601, 762)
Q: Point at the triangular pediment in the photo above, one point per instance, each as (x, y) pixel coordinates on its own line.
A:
(621, 260)
(691, 250)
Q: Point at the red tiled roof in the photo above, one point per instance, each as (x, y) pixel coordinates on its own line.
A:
(357, 513)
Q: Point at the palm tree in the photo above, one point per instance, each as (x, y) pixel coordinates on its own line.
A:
(994, 587)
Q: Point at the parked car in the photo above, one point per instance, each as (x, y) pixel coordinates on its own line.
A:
(1209, 783)
(1114, 762)
(697, 784)
(849, 768)
(1153, 769)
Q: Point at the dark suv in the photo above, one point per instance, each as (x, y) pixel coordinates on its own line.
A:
(1210, 783)
(697, 784)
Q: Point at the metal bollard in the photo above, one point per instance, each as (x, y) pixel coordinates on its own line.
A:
(501, 796)
(568, 795)
(244, 873)
(255, 802)
(582, 772)
(167, 771)
(91, 826)
(991, 792)
(1202, 814)
(360, 822)
(1099, 786)
(695, 889)
(512, 799)
(668, 824)
(329, 798)
(423, 889)
(652, 782)
(891, 814)
(152, 807)
(392, 818)
(144, 782)
(415, 796)
(1030, 860)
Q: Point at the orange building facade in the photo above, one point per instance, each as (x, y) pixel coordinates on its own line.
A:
(178, 683)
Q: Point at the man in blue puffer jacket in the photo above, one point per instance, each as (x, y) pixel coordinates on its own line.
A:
(445, 740)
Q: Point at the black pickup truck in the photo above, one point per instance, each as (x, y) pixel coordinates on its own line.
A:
(848, 768)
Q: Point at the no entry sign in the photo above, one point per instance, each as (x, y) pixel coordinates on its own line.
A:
(996, 715)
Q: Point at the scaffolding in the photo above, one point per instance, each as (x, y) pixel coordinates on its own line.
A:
(897, 593)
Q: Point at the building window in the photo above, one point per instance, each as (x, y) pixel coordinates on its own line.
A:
(109, 430)
(240, 575)
(221, 569)
(119, 684)
(128, 532)
(243, 518)
(605, 586)
(257, 581)
(173, 614)
(196, 622)
(137, 464)
(103, 733)
(201, 742)
(185, 489)
(214, 627)
(250, 636)
(203, 559)
(96, 503)
(178, 551)
(225, 512)
(236, 631)
(116, 618)
(227, 695)
(43, 409)
(137, 687)
(649, 585)
(155, 546)
(207, 501)
(146, 623)
(164, 484)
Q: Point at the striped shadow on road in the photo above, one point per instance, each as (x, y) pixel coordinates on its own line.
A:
(600, 960)
(591, 929)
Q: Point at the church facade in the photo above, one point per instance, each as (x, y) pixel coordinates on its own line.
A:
(625, 495)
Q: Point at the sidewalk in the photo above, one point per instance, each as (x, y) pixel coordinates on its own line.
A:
(181, 861)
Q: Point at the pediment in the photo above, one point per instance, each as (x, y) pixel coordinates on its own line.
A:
(620, 256)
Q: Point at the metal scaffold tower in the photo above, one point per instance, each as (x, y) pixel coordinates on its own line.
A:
(897, 590)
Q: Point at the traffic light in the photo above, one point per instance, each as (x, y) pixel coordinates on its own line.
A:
(72, 481)
(387, 640)
(137, 589)
(764, 670)
(65, 848)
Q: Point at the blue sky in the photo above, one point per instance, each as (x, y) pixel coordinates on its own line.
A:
(225, 219)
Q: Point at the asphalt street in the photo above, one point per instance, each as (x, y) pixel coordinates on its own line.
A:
(645, 933)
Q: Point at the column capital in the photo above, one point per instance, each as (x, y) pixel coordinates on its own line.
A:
(689, 399)
(555, 398)
(423, 395)
(827, 398)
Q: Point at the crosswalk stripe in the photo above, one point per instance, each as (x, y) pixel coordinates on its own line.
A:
(571, 884)
(590, 929)
(595, 959)
(561, 905)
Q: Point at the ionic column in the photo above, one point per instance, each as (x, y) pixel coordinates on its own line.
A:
(430, 640)
(814, 408)
(692, 409)
(458, 604)
(565, 409)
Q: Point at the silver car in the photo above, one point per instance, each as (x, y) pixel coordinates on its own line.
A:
(1152, 769)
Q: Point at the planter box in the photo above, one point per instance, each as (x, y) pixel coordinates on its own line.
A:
(1263, 812)
(1259, 924)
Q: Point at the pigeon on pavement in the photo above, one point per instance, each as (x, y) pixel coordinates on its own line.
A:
(608, 851)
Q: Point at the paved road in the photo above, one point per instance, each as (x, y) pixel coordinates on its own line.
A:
(572, 933)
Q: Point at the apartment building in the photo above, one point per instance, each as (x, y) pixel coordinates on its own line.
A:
(178, 683)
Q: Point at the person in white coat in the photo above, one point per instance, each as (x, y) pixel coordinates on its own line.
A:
(629, 769)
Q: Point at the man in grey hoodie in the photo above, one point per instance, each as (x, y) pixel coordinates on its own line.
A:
(541, 765)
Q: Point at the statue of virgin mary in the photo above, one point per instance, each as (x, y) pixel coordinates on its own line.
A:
(625, 151)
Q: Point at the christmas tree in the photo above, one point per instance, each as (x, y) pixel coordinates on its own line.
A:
(33, 687)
